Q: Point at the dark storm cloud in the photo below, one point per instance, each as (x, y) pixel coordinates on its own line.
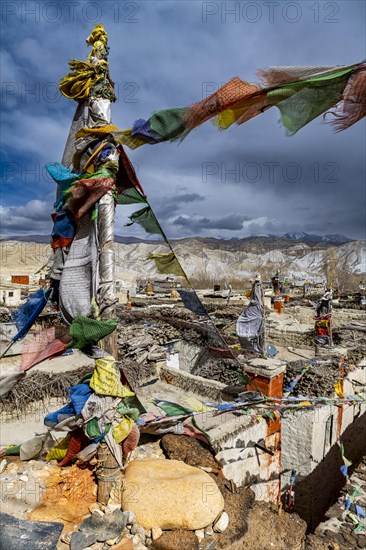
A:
(171, 54)
(169, 207)
(232, 222)
(33, 217)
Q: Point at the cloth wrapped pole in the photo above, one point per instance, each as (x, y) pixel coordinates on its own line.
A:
(88, 83)
(250, 325)
(106, 289)
(79, 278)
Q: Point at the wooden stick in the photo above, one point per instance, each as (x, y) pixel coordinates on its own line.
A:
(7, 348)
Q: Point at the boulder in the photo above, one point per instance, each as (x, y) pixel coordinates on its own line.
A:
(170, 494)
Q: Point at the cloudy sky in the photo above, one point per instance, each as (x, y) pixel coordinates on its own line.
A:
(251, 179)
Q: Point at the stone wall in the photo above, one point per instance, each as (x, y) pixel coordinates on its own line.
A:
(248, 449)
(282, 329)
(309, 446)
(317, 491)
(186, 356)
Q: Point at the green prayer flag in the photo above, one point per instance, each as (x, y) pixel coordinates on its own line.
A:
(130, 196)
(302, 101)
(85, 330)
(146, 218)
(12, 450)
(172, 409)
(131, 412)
(93, 430)
(168, 123)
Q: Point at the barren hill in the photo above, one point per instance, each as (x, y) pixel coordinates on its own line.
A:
(213, 258)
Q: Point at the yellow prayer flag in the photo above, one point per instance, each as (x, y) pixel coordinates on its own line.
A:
(339, 388)
(167, 264)
(59, 451)
(106, 379)
(121, 431)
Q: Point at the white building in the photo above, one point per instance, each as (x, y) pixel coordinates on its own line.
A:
(10, 294)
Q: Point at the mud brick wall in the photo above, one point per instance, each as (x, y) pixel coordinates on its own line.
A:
(316, 492)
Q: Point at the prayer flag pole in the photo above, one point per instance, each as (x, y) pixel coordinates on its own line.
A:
(90, 84)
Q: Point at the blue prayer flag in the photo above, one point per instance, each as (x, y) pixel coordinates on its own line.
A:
(25, 316)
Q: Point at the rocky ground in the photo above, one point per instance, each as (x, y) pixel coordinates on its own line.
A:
(43, 492)
(68, 495)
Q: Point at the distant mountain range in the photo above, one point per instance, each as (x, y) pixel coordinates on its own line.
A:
(44, 239)
(308, 238)
(299, 237)
(297, 255)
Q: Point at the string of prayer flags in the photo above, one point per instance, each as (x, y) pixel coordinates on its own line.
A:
(293, 383)
(300, 93)
(172, 409)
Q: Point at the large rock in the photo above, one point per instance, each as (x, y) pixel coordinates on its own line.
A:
(171, 495)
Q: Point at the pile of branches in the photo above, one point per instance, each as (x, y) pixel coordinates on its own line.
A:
(39, 387)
